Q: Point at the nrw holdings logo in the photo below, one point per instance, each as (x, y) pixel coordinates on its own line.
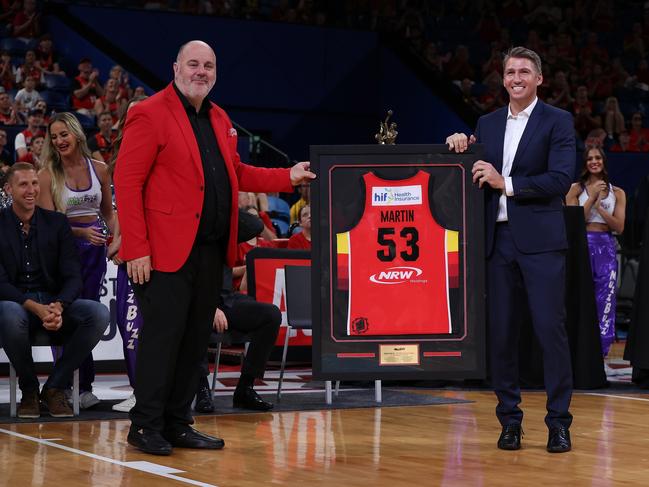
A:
(396, 275)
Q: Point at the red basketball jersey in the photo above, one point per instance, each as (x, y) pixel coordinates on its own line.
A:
(395, 262)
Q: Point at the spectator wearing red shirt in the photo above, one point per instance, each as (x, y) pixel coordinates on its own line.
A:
(239, 281)
(121, 77)
(302, 240)
(34, 129)
(46, 59)
(111, 102)
(582, 108)
(565, 48)
(642, 73)
(560, 91)
(27, 22)
(33, 155)
(7, 71)
(493, 98)
(29, 69)
(8, 9)
(101, 144)
(42, 106)
(599, 83)
(623, 144)
(8, 114)
(639, 136)
(535, 43)
(459, 66)
(634, 43)
(592, 50)
(86, 88)
(249, 201)
(5, 156)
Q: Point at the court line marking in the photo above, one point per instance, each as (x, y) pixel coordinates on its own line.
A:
(630, 398)
(141, 466)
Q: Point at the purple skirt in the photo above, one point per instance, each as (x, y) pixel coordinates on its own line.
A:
(603, 263)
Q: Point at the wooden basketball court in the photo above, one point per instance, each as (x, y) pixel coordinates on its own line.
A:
(427, 445)
(451, 444)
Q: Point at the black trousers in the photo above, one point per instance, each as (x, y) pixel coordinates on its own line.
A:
(543, 276)
(261, 322)
(178, 309)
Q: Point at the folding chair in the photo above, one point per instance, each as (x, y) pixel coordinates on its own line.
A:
(298, 314)
(228, 338)
(39, 339)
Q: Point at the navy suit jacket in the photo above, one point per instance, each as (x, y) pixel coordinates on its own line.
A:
(58, 254)
(542, 171)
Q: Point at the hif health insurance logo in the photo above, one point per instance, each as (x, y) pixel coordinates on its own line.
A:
(396, 195)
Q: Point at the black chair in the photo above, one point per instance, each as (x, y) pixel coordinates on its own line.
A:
(16, 47)
(217, 340)
(55, 100)
(298, 313)
(40, 339)
(58, 83)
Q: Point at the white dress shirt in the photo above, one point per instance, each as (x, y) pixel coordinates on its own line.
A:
(513, 132)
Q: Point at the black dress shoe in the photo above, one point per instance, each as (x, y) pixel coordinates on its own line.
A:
(204, 402)
(510, 438)
(149, 441)
(559, 439)
(247, 398)
(190, 438)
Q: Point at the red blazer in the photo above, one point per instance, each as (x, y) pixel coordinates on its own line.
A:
(159, 181)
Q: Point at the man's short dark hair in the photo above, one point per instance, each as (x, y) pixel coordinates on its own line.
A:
(523, 52)
(19, 166)
(35, 112)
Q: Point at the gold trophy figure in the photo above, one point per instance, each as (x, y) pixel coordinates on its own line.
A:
(387, 131)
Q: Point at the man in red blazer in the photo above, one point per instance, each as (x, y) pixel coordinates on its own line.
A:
(177, 178)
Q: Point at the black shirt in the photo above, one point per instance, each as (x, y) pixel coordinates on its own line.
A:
(215, 215)
(30, 276)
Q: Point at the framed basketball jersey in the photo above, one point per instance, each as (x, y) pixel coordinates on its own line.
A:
(398, 263)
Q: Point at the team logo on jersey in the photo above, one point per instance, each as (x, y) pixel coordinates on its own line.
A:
(396, 195)
(360, 326)
(396, 275)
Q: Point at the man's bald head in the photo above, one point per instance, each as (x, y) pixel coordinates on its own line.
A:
(192, 43)
(195, 71)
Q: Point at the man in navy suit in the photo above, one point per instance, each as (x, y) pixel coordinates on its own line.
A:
(40, 279)
(529, 160)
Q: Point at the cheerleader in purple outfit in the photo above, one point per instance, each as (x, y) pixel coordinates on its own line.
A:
(128, 316)
(73, 183)
(604, 208)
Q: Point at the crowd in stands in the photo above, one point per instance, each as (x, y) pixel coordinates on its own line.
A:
(34, 86)
(594, 51)
(594, 59)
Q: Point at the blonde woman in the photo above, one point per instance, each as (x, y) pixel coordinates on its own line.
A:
(73, 183)
(614, 120)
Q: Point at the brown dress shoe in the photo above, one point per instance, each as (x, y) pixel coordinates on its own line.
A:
(56, 403)
(29, 405)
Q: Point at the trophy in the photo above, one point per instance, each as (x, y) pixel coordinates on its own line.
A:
(387, 131)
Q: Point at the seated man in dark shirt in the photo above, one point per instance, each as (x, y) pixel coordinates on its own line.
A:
(40, 279)
(260, 321)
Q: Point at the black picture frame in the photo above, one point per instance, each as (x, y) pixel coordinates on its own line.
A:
(337, 202)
